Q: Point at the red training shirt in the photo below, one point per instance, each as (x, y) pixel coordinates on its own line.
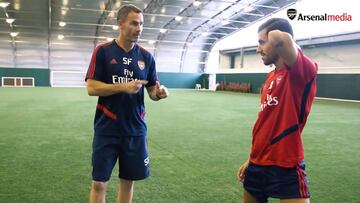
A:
(285, 105)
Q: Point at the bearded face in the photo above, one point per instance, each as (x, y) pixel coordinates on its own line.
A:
(265, 49)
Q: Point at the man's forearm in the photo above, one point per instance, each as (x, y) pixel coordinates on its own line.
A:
(275, 38)
(96, 88)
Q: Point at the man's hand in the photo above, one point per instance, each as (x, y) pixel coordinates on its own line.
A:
(161, 91)
(284, 45)
(241, 171)
(134, 86)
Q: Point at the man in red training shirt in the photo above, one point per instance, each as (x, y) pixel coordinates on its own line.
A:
(275, 167)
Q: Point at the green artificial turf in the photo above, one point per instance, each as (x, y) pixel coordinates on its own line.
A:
(197, 140)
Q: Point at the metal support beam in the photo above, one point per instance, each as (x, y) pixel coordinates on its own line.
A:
(49, 35)
(102, 20)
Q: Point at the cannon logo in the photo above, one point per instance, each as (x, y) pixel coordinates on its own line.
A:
(291, 13)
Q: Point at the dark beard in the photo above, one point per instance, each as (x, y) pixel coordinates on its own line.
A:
(271, 61)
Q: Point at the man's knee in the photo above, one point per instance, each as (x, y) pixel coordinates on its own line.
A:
(98, 186)
(126, 184)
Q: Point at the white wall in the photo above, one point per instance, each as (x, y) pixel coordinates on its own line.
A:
(336, 59)
(330, 59)
(302, 29)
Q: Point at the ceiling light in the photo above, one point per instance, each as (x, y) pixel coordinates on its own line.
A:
(60, 37)
(111, 14)
(17, 4)
(189, 21)
(118, 4)
(64, 10)
(4, 4)
(14, 34)
(152, 19)
(197, 3)
(115, 27)
(109, 39)
(10, 20)
(62, 24)
(65, 2)
(151, 42)
(102, 6)
(163, 10)
(248, 9)
(224, 22)
(163, 30)
(189, 44)
(204, 34)
(178, 18)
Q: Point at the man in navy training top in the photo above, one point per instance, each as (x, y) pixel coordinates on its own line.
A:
(117, 73)
(276, 166)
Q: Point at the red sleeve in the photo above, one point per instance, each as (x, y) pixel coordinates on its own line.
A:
(303, 70)
(96, 66)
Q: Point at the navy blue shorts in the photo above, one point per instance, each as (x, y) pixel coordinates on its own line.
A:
(130, 151)
(277, 182)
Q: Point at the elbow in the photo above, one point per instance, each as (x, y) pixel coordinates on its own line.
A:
(91, 91)
(91, 94)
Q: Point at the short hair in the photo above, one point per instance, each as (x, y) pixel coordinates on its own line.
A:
(125, 10)
(277, 24)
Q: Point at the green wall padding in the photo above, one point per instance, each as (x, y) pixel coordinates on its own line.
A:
(204, 81)
(340, 86)
(41, 75)
(180, 80)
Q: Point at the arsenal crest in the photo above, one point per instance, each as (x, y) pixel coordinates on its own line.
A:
(278, 80)
(141, 64)
(291, 13)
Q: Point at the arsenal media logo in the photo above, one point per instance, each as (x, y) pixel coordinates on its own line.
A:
(291, 13)
(141, 65)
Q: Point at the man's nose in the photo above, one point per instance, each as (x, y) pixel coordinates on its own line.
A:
(258, 50)
(139, 28)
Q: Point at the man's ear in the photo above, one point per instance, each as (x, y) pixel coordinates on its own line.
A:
(120, 23)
